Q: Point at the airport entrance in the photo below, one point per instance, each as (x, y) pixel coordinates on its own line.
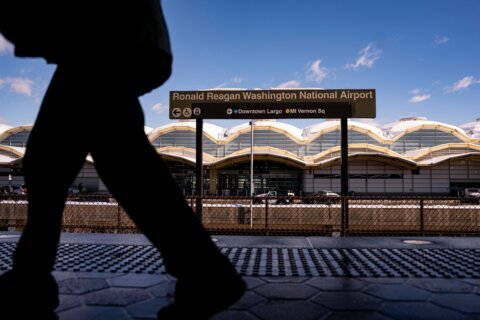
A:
(184, 175)
(268, 176)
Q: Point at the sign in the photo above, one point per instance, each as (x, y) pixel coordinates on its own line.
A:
(273, 104)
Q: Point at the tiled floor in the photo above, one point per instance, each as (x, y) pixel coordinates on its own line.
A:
(106, 295)
(134, 296)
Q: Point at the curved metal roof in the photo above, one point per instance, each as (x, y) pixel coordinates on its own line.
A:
(467, 145)
(286, 128)
(399, 128)
(440, 159)
(213, 131)
(12, 130)
(329, 125)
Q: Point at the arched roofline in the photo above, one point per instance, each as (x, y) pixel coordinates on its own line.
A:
(14, 130)
(439, 126)
(18, 162)
(271, 127)
(180, 159)
(445, 146)
(442, 159)
(283, 131)
(243, 158)
(384, 158)
(351, 127)
(372, 147)
(265, 150)
(178, 127)
(12, 150)
(166, 151)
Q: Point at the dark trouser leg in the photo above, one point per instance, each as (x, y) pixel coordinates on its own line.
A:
(137, 177)
(55, 154)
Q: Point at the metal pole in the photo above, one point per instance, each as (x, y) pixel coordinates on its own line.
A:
(344, 155)
(199, 167)
(422, 219)
(344, 172)
(10, 180)
(252, 185)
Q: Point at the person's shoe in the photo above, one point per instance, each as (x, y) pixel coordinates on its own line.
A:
(204, 296)
(28, 297)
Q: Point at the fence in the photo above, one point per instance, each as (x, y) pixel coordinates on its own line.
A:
(276, 215)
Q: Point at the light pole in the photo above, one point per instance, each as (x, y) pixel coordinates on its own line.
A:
(252, 185)
(10, 189)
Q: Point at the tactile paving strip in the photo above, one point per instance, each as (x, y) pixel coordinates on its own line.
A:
(391, 263)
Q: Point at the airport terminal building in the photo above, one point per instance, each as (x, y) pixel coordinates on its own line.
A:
(409, 156)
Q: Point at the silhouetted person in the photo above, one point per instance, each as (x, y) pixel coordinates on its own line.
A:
(80, 188)
(107, 55)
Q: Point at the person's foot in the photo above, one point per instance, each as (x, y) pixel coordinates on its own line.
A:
(204, 296)
(27, 297)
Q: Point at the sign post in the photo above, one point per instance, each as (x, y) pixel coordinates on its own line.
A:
(344, 172)
(199, 167)
(274, 104)
(252, 184)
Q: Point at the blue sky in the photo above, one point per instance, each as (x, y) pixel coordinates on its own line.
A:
(422, 56)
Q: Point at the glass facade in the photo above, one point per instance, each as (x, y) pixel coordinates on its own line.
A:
(184, 175)
(186, 139)
(332, 139)
(177, 138)
(17, 139)
(272, 173)
(447, 151)
(265, 138)
(423, 138)
(268, 176)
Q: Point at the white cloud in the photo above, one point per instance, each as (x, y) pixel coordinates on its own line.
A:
(22, 86)
(289, 84)
(235, 80)
(439, 40)
(18, 85)
(5, 46)
(462, 84)
(3, 121)
(315, 72)
(418, 97)
(159, 108)
(366, 57)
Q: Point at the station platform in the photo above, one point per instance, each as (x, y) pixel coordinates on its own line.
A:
(119, 276)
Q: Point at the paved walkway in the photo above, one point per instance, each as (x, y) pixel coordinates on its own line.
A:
(288, 277)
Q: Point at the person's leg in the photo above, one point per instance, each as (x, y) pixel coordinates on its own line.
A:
(144, 187)
(54, 155)
(138, 178)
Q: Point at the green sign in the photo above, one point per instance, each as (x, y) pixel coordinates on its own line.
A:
(273, 104)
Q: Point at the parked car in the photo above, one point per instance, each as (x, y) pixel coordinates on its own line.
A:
(324, 196)
(471, 195)
(273, 198)
(12, 189)
(73, 190)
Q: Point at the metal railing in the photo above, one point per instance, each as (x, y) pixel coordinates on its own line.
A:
(342, 216)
